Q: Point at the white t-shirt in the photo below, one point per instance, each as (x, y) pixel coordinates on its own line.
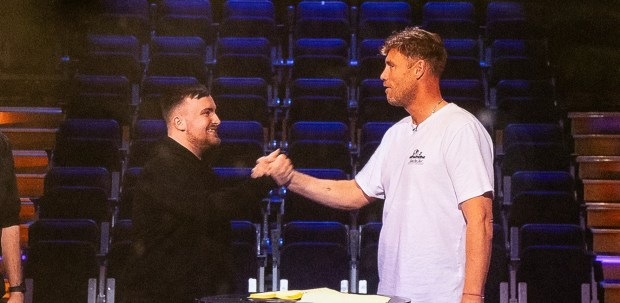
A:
(424, 175)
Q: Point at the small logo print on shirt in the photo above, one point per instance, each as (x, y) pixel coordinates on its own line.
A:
(417, 157)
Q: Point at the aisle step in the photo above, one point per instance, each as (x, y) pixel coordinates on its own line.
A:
(30, 185)
(583, 123)
(606, 241)
(601, 190)
(31, 138)
(30, 161)
(597, 145)
(599, 167)
(30, 117)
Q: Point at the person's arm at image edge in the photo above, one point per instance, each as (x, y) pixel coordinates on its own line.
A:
(12, 260)
(479, 234)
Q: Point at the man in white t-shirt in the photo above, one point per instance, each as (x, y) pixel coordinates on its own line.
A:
(435, 171)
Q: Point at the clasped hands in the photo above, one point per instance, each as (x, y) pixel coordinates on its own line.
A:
(275, 165)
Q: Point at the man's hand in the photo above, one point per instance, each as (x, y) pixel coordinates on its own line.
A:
(281, 170)
(262, 164)
(16, 297)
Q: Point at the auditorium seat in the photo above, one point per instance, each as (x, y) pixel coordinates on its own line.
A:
(178, 56)
(101, 97)
(185, 18)
(507, 20)
(370, 61)
(242, 142)
(450, 19)
(318, 99)
(249, 19)
(127, 18)
(369, 245)
(112, 55)
(322, 19)
(244, 57)
(320, 145)
(153, 88)
(98, 177)
(522, 181)
(317, 257)
(75, 202)
(145, 136)
(61, 271)
(380, 19)
(88, 142)
(554, 273)
(240, 98)
(320, 58)
(518, 59)
(543, 206)
(244, 249)
(525, 101)
(85, 230)
(466, 93)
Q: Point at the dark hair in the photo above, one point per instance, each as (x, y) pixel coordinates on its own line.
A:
(174, 98)
(416, 43)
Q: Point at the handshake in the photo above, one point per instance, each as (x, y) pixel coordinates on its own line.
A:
(275, 165)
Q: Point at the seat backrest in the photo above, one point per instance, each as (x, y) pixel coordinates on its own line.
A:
(73, 262)
(315, 231)
(78, 176)
(550, 207)
(323, 131)
(322, 19)
(551, 234)
(64, 230)
(554, 273)
(75, 202)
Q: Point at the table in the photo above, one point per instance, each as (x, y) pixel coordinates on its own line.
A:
(243, 298)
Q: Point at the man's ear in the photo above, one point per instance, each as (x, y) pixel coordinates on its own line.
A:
(419, 68)
(179, 123)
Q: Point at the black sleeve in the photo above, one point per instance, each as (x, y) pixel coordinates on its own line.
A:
(173, 191)
(9, 212)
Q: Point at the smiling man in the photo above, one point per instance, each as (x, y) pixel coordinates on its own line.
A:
(181, 216)
(435, 171)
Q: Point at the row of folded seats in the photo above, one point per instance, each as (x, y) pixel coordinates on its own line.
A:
(320, 46)
(371, 19)
(535, 185)
(305, 80)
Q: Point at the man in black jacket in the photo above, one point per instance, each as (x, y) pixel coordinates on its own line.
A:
(181, 217)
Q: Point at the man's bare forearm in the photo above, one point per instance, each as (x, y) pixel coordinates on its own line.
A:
(341, 194)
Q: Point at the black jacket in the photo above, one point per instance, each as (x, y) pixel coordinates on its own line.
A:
(181, 221)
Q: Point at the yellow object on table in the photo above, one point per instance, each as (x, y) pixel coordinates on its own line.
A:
(320, 295)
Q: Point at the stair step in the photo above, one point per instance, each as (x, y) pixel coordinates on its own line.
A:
(611, 291)
(30, 161)
(603, 215)
(595, 123)
(27, 211)
(597, 145)
(601, 190)
(606, 241)
(31, 138)
(30, 117)
(611, 266)
(30, 185)
(599, 167)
